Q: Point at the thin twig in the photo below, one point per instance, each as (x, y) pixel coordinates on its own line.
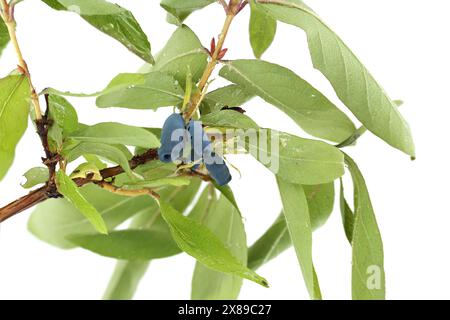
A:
(127, 192)
(8, 18)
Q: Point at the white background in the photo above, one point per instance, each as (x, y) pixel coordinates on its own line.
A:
(404, 43)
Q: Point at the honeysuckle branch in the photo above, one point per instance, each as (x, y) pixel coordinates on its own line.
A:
(8, 17)
(232, 9)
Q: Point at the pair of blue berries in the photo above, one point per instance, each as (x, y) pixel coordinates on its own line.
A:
(172, 147)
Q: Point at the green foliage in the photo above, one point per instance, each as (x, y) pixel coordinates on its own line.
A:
(353, 83)
(262, 30)
(14, 101)
(196, 216)
(112, 20)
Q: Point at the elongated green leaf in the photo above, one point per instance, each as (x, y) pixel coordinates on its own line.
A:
(70, 190)
(183, 52)
(125, 280)
(276, 239)
(229, 119)
(129, 244)
(56, 219)
(368, 277)
(226, 223)
(348, 217)
(271, 244)
(14, 102)
(127, 274)
(4, 36)
(158, 183)
(320, 203)
(353, 83)
(298, 160)
(112, 153)
(142, 91)
(181, 9)
(199, 242)
(295, 209)
(262, 30)
(117, 133)
(112, 20)
(229, 96)
(63, 113)
(279, 86)
(35, 176)
(228, 193)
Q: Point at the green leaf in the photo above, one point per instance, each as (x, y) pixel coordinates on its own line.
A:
(295, 208)
(4, 36)
(229, 96)
(158, 183)
(262, 30)
(181, 9)
(228, 193)
(125, 280)
(128, 274)
(117, 133)
(199, 242)
(226, 223)
(112, 153)
(271, 244)
(353, 83)
(55, 219)
(298, 160)
(35, 176)
(183, 52)
(14, 106)
(142, 91)
(112, 20)
(348, 217)
(87, 170)
(70, 190)
(229, 119)
(65, 121)
(276, 239)
(129, 244)
(368, 277)
(281, 87)
(320, 203)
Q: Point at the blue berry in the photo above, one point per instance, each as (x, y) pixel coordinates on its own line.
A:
(199, 140)
(173, 123)
(219, 172)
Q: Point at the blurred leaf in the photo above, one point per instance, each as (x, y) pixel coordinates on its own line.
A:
(112, 20)
(117, 133)
(129, 244)
(225, 222)
(199, 242)
(14, 106)
(298, 160)
(183, 52)
(262, 30)
(368, 277)
(229, 96)
(157, 183)
(4, 36)
(295, 209)
(142, 91)
(55, 219)
(70, 191)
(35, 176)
(179, 10)
(353, 83)
(281, 87)
(228, 193)
(127, 274)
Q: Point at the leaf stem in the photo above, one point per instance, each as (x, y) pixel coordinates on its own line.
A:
(8, 18)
